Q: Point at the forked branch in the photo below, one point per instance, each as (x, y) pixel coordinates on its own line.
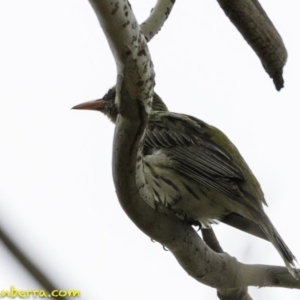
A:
(135, 85)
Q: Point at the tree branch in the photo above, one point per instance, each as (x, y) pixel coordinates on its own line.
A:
(229, 294)
(28, 264)
(134, 90)
(251, 20)
(157, 18)
(211, 240)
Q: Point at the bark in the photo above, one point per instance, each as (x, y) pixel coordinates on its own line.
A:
(251, 20)
(157, 18)
(229, 294)
(135, 86)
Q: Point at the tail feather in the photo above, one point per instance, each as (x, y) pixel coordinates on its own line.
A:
(237, 221)
(274, 237)
(287, 255)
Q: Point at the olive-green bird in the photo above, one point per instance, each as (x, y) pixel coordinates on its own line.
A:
(194, 170)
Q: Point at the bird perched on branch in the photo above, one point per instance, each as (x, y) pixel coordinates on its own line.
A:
(193, 169)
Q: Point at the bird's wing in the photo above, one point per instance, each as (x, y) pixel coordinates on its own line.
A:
(199, 151)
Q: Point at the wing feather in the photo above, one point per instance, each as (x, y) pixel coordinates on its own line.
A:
(194, 153)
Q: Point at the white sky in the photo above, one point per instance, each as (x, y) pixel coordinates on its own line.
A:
(57, 198)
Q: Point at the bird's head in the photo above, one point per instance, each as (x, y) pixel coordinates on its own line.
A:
(108, 106)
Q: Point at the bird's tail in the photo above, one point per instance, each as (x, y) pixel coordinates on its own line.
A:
(274, 237)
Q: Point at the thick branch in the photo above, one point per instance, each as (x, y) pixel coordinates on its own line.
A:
(229, 294)
(251, 20)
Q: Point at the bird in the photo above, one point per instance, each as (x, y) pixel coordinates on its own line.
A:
(194, 170)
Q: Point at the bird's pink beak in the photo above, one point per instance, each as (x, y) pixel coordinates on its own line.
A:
(98, 104)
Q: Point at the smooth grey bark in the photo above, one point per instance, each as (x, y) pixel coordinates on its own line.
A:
(45, 282)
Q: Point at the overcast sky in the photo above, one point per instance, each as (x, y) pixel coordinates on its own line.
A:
(57, 197)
